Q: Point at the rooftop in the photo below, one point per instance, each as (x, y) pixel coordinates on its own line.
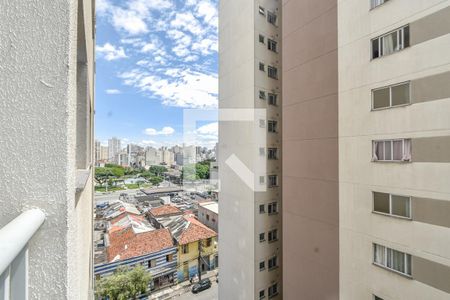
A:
(119, 207)
(165, 210)
(138, 223)
(126, 244)
(210, 205)
(186, 229)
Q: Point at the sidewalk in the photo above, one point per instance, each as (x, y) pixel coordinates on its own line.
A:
(180, 289)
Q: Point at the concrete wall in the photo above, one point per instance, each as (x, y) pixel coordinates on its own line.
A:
(310, 150)
(38, 92)
(358, 126)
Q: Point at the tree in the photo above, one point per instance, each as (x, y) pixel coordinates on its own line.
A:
(155, 180)
(157, 170)
(124, 284)
(102, 175)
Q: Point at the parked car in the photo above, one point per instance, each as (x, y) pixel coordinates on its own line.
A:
(202, 285)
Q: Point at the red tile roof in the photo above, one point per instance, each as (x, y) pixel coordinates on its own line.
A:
(126, 244)
(195, 231)
(165, 210)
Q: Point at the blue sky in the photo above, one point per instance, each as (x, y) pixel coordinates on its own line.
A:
(154, 59)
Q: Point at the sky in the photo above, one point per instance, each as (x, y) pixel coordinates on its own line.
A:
(155, 58)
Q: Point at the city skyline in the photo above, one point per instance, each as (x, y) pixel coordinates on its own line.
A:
(155, 59)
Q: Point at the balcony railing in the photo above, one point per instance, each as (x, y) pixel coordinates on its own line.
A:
(14, 238)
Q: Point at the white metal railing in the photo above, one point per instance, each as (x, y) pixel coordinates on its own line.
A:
(14, 239)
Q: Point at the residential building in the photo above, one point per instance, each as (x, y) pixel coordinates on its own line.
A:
(394, 141)
(132, 241)
(250, 85)
(310, 158)
(208, 214)
(197, 245)
(114, 149)
(47, 149)
(152, 156)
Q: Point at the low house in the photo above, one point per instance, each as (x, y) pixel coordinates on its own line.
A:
(208, 214)
(132, 241)
(163, 211)
(197, 245)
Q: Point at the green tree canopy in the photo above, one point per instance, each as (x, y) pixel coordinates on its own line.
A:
(124, 284)
(157, 170)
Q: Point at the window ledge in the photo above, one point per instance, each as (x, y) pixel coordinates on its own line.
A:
(82, 177)
(273, 268)
(392, 216)
(391, 107)
(393, 271)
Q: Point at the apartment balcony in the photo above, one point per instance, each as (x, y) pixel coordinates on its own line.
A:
(14, 255)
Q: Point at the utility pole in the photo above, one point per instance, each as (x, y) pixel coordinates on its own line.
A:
(199, 260)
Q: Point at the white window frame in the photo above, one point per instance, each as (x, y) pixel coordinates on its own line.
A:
(392, 149)
(269, 180)
(263, 206)
(263, 294)
(271, 240)
(262, 95)
(262, 151)
(261, 39)
(272, 45)
(272, 124)
(263, 235)
(400, 38)
(376, 3)
(262, 67)
(273, 96)
(271, 16)
(274, 152)
(272, 70)
(262, 11)
(264, 265)
(262, 179)
(384, 264)
(269, 268)
(390, 206)
(272, 294)
(390, 95)
(273, 207)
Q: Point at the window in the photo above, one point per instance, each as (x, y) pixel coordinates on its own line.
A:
(262, 95)
(375, 297)
(261, 180)
(185, 248)
(272, 99)
(262, 208)
(262, 123)
(394, 205)
(272, 72)
(262, 294)
(208, 242)
(169, 257)
(391, 96)
(272, 263)
(271, 45)
(261, 67)
(272, 153)
(272, 126)
(272, 235)
(262, 11)
(261, 38)
(375, 3)
(391, 42)
(262, 237)
(262, 265)
(272, 208)
(207, 217)
(272, 18)
(391, 150)
(392, 259)
(272, 180)
(262, 151)
(152, 263)
(273, 290)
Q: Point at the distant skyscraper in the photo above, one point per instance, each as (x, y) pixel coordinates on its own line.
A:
(114, 148)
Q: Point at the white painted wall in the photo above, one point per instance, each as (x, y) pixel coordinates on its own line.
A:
(38, 53)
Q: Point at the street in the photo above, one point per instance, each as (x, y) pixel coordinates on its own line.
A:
(210, 294)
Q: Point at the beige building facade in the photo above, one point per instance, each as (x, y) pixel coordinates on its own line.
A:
(394, 133)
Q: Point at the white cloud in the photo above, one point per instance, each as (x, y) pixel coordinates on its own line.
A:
(182, 88)
(209, 13)
(128, 20)
(164, 131)
(187, 22)
(112, 91)
(110, 52)
(206, 46)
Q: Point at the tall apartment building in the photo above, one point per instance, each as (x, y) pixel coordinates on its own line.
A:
(250, 148)
(394, 149)
(47, 104)
(114, 148)
(310, 150)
